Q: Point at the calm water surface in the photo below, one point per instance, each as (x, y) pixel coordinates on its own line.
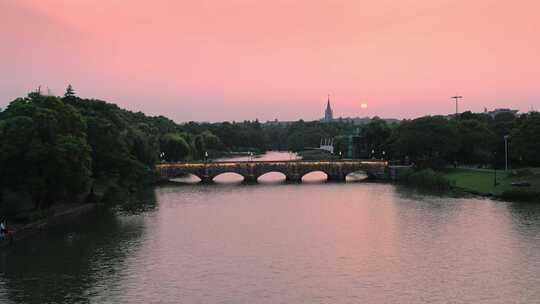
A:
(277, 243)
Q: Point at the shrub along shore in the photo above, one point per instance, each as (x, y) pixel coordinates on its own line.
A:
(514, 185)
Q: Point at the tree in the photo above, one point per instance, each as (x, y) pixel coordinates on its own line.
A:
(303, 139)
(43, 149)
(73, 164)
(70, 92)
(211, 141)
(199, 145)
(175, 147)
(376, 133)
(525, 140)
(476, 141)
(341, 145)
(430, 140)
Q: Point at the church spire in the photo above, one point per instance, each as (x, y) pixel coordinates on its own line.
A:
(328, 113)
(328, 103)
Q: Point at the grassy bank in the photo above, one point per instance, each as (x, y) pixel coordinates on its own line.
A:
(426, 179)
(482, 181)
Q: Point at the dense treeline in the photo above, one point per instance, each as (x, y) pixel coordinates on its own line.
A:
(471, 139)
(60, 148)
(55, 149)
(431, 141)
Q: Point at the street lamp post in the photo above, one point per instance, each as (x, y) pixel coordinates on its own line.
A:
(495, 169)
(457, 98)
(383, 154)
(205, 156)
(506, 152)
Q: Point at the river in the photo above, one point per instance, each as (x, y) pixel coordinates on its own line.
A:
(315, 242)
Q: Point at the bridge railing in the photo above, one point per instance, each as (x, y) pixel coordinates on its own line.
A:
(342, 161)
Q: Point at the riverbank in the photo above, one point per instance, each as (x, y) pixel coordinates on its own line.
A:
(486, 182)
(59, 215)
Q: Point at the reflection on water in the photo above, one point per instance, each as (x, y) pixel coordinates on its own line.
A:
(274, 242)
(82, 260)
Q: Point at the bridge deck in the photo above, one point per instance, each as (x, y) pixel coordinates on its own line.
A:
(336, 170)
(300, 162)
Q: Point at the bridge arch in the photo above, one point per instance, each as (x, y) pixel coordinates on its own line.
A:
(314, 175)
(228, 177)
(272, 176)
(357, 175)
(186, 178)
(182, 175)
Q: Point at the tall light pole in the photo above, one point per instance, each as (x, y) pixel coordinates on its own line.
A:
(457, 98)
(494, 169)
(506, 152)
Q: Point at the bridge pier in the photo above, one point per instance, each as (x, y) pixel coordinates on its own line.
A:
(293, 178)
(336, 178)
(250, 179)
(207, 179)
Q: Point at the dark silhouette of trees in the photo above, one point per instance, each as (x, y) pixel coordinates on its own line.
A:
(525, 140)
(174, 147)
(476, 141)
(429, 140)
(44, 151)
(54, 149)
(70, 93)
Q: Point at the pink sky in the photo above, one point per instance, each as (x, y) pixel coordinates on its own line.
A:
(238, 59)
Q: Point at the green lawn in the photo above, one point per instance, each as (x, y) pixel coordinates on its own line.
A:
(482, 181)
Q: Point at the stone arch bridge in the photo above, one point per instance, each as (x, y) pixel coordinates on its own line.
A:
(336, 170)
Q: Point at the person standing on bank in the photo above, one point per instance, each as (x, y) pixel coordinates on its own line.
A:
(3, 230)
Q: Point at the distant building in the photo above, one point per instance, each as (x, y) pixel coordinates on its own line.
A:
(328, 113)
(492, 113)
(329, 117)
(276, 123)
(358, 121)
(499, 111)
(327, 144)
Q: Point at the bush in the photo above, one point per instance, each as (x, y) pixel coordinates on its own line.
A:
(518, 195)
(8, 209)
(432, 163)
(426, 179)
(520, 173)
(114, 193)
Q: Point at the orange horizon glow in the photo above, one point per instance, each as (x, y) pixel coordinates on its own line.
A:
(240, 59)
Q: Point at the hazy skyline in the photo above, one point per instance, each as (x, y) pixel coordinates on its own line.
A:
(236, 60)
